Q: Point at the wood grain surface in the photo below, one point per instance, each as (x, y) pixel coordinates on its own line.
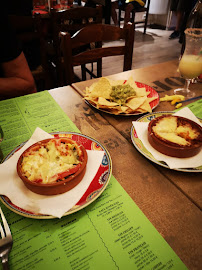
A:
(164, 78)
(167, 198)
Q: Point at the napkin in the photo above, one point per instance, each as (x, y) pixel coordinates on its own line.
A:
(13, 187)
(172, 162)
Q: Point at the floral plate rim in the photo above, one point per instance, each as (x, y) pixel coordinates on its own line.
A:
(150, 157)
(95, 194)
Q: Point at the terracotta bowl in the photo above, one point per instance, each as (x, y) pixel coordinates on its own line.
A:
(62, 184)
(173, 149)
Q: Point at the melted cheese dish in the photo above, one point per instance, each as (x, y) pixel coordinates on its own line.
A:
(48, 163)
(170, 129)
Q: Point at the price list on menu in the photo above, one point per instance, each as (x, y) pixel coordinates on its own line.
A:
(20, 116)
(110, 233)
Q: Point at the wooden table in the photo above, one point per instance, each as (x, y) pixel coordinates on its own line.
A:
(106, 3)
(170, 199)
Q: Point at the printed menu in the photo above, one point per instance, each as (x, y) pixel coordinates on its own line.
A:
(111, 233)
(20, 116)
(195, 107)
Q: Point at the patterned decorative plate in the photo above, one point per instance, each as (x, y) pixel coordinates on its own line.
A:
(97, 186)
(140, 147)
(153, 103)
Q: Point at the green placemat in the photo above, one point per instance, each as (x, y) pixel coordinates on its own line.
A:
(195, 107)
(20, 116)
(111, 233)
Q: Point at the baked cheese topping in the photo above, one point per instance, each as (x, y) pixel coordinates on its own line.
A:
(165, 125)
(168, 128)
(43, 164)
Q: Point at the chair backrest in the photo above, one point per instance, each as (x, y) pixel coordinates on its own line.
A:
(96, 34)
(71, 20)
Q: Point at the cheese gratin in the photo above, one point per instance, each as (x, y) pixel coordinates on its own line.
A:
(51, 162)
(171, 129)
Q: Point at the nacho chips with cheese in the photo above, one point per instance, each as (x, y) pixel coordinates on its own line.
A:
(119, 97)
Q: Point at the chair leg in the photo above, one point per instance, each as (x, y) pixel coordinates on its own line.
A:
(119, 19)
(133, 16)
(146, 20)
(99, 68)
(83, 72)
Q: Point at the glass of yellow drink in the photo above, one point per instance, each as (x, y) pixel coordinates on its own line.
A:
(190, 65)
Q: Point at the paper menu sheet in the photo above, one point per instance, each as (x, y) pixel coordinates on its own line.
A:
(20, 116)
(195, 107)
(111, 233)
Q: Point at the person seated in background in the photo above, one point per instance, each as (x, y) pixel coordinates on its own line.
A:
(15, 76)
(22, 9)
(182, 9)
(128, 6)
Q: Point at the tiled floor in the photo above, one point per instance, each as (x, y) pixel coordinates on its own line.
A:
(149, 49)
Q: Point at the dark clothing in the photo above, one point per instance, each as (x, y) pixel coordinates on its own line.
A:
(181, 5)
(20, 7)
(122, 4)
(9, 45)
(136, 5)
(13, 38)
(90, 3)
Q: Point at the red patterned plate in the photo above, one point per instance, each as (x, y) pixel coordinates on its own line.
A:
(153, 104)
(97, 186)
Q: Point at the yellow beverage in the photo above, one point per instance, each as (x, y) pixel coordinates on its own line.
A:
(190, 66)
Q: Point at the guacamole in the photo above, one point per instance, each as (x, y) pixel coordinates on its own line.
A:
(120, 93)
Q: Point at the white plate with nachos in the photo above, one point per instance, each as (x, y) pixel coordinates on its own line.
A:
(121, 97)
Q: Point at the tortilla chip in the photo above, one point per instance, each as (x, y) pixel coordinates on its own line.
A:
(99, 95)
(101, 89)
(90, 89)
(141, 92)
(102, 101)
(118, 82)
(135, 103)
(131, 97)
(150, 99)
(131, 82)
(141, 110)
(145, 106)
(124, 108)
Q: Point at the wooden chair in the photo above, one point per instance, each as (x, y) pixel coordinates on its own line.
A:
(25, 28)
(71, 21)
(97, 34)
(134, 11)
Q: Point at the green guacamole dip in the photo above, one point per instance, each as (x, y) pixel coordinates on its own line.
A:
(120, 93)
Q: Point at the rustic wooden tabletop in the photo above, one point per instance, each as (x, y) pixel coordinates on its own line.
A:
(170, 199)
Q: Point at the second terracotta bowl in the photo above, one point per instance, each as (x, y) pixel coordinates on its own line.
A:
(173, 149)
